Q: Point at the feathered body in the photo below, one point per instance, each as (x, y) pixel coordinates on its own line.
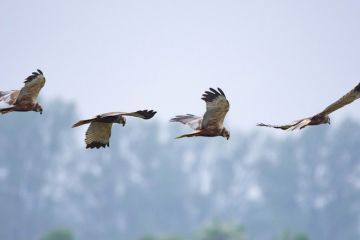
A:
(212, 123)
(322, 117)
(99, 132)
(24, 100)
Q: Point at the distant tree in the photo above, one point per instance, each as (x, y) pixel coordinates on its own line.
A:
(58, 234)
(161, 238)
(221, 231)
(291, 236)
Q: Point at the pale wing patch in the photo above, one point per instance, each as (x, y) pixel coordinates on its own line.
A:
(144, 114)
(9, 97)
(191, 120)
(289, 127)
(33, 85)
(98, 135)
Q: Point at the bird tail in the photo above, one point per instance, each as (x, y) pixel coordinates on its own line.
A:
(82, 122)
(193, 134)
(6, 110)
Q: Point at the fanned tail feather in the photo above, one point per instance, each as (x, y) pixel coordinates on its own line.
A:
(6, 110)
(194, 134)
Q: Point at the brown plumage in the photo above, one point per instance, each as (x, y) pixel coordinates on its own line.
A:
(99, 132)
(24, 100)
(322, 117)
(211, 124)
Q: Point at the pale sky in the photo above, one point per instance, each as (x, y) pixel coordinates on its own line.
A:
(276, 61)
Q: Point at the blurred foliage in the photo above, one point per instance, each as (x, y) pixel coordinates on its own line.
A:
(149, 183)
(221, 231)
(162, 238)
(290, 236)
(58, 234)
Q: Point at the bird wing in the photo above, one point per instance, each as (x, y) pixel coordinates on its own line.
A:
(300, 124)
(33, 85)
(9, 97)
(144, 114)
(191, 120)
(82, 122)
(98, 135)
(216, 108)
(345, 100)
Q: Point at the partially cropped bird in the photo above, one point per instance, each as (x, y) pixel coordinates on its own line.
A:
(322, 117)
(99, 132)
(25, 99)
(212, 123)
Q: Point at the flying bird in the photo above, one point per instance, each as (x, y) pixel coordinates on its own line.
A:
(322, 117)
(24, 100)
(99, 132)
(211, 124)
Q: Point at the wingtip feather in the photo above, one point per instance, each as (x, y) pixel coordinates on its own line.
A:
(357, 88)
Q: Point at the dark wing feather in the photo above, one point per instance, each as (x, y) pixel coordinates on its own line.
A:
(345, 100)
(191, 120)
(144, 114)
(112, 117)
(216, 108)
(98, 135)
(33, 84)
(9, 97)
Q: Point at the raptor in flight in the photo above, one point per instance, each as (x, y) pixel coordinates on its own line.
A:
(99, 132)
(25, 99)
(322, 117)
(212, 123)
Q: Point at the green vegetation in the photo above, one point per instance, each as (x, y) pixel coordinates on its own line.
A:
(58, 234)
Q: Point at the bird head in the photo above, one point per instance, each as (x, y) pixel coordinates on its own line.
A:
(225, 133)
(38, 108)
(328, 120)
(122, 120)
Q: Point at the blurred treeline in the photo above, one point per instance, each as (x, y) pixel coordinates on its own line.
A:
(212, 231)
(146, 184)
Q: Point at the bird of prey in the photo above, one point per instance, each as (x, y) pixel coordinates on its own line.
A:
(24, 100)
(211, 124)
(322, 117)
(99, 132)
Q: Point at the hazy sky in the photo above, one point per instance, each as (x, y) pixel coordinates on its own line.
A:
(277, 61)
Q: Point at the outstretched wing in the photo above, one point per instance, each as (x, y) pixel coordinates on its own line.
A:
(82, 122)
(98, 135)
(300, 124)
(9, 97)
(144, 114)
(191, 120)
(112, 117)
(33, 85)
(216, 108)
(345, 100)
